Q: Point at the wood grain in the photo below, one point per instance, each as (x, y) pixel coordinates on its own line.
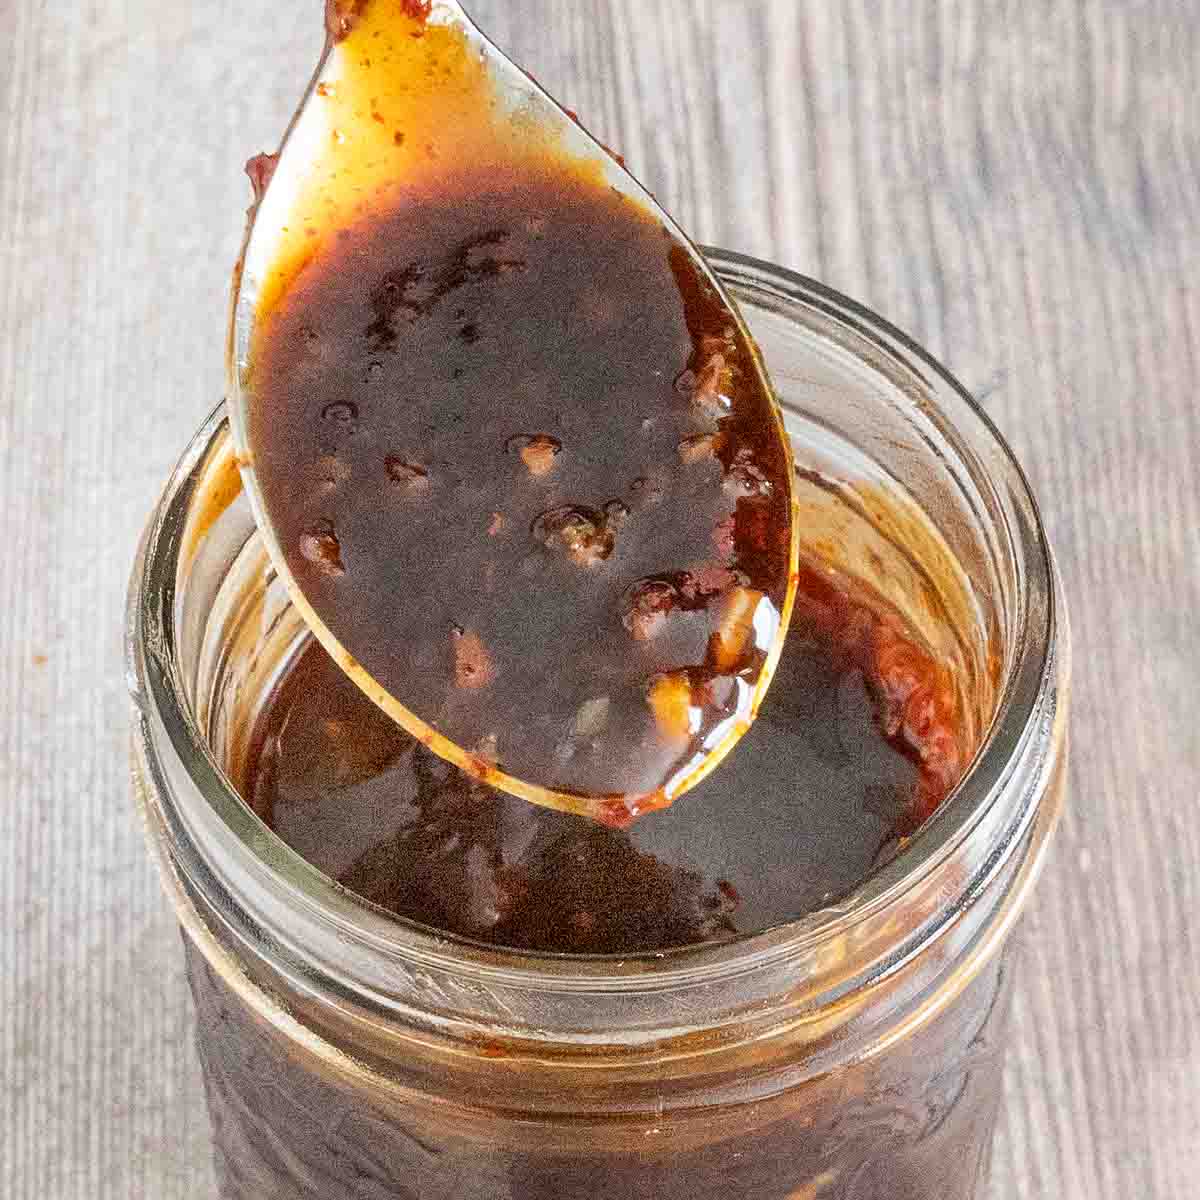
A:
(1016, 184)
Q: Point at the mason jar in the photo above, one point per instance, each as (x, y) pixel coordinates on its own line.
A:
(854, 1053)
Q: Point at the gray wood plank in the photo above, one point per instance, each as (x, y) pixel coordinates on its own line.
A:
(1017, 185)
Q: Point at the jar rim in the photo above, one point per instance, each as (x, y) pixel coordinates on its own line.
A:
(155, 683)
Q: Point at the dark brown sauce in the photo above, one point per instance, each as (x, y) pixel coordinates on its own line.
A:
(521, 462)
(856, 742)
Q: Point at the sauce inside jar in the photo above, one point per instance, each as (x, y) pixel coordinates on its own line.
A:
(856, 743)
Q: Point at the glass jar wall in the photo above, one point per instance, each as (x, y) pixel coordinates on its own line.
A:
(854, 1053)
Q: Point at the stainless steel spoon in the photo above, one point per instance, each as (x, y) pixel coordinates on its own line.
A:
(395, 94)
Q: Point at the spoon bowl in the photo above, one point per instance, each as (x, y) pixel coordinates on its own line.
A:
(406, 95)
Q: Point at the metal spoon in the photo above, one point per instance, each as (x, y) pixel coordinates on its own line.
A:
(403, 86)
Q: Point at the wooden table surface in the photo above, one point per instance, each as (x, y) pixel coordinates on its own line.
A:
(1016, 184)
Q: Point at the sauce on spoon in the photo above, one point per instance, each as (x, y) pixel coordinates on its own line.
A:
(518, 454)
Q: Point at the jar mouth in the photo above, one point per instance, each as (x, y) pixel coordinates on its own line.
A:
(159, 689)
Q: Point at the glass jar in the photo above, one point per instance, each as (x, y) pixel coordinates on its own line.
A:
(855, 1053)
